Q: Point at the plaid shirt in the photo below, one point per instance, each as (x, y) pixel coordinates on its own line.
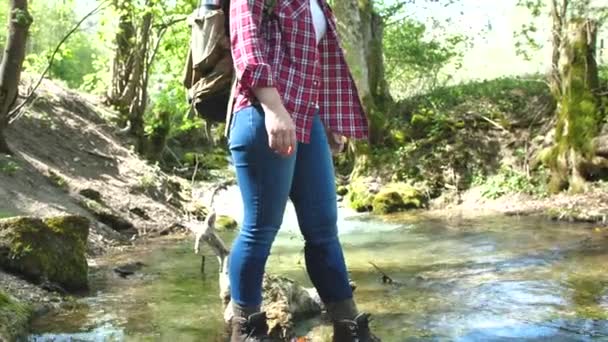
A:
(281, 51)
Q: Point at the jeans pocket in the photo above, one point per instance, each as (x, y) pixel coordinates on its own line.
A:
(241, 131)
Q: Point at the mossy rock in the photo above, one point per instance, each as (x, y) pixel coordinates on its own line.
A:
(226, 223)
(359, 196)
(397, 197)
(52, 249)
(14, 318)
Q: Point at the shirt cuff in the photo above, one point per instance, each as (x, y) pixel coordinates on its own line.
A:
(257, 76)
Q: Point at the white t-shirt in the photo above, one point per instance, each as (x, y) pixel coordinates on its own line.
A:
(318, 19)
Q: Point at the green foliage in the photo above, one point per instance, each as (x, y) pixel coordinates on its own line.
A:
(414, 61)
(75, 59)
(8, 166)
(511, 181)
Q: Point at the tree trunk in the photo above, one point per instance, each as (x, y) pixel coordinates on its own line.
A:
(579, 113)
(10, 69)
(123, 63)
(361, 31)
(131, 68)
(559, 10)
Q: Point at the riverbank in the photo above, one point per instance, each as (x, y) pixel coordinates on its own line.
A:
(68, 160)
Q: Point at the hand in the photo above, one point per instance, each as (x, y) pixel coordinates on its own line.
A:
(281, 131)
(336, 142)
(279, 124)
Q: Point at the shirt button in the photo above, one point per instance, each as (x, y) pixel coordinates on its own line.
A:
(316, 83)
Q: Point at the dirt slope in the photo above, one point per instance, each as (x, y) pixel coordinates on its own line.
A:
(64, 147)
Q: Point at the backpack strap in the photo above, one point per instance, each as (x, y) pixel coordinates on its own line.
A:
(229, 110)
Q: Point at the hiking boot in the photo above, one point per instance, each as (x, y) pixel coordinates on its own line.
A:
(356, 330)
(251, 329)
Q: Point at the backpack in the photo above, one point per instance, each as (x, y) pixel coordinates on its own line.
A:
(209, 75)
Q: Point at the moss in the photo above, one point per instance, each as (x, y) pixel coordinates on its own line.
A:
(359, 197)
(397, 197)
(226, 223)
(53, 249)
(8, 166)
(14, 318)
(57, 180)
(579, 117)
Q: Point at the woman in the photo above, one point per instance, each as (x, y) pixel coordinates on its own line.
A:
(294, 91)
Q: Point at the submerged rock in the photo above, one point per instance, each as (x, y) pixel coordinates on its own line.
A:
(285, 303)
(14, 318)
(53, 249)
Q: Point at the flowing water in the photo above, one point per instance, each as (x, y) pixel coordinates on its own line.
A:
(499, 279)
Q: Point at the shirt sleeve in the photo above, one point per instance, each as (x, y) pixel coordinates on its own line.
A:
(252, 68)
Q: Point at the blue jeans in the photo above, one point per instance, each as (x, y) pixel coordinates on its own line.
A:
(266, 179)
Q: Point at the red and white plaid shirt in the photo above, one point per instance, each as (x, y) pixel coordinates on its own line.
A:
(281, 51)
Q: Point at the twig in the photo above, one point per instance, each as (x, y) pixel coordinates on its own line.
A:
(195, 172)
(386, 279)
(16, 113)
(100, 155)
(494, 123)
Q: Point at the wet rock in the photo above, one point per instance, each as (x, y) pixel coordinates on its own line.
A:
(14, 318)
(397, 197)
(129, 269)
(285, 302)
(52, 249)
(225, 223)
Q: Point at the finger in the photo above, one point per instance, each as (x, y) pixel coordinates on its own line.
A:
(283, 144)
(275, 142)
(293, 141)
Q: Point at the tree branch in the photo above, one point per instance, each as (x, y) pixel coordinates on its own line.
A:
(16, 113)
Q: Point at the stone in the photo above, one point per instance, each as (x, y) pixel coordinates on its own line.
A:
(51, 249)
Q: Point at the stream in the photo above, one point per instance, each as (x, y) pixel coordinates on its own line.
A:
(490, 279)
